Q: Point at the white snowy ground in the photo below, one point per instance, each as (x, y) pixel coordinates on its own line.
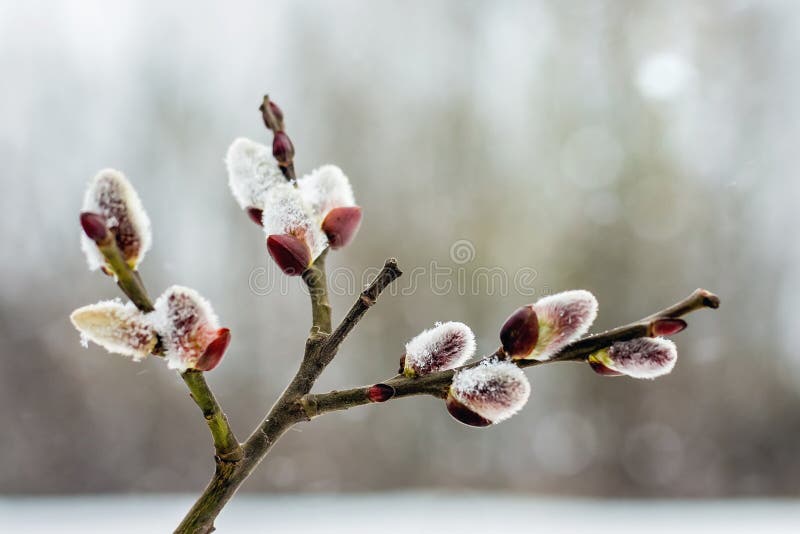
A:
(401, 512)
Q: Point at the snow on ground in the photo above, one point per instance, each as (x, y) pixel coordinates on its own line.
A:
(391, 512)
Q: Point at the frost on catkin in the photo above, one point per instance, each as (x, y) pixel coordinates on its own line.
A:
(495, 390)
(643, 357)
(326, 188)
(111, 195)
(252, 171)
(118, 328)
(563, 318)
(445, 346)
(286, 212)
(187, 325)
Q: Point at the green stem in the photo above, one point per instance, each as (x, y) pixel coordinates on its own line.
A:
(317, 283)
(225, 443)
(128, 279)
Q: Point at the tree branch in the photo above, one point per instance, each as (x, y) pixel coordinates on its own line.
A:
(437, 384)
(225, 443)
(289, 409)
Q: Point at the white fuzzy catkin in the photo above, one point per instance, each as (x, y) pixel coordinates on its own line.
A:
(111, 194)
(286, 212)
(563, 318)
(445, 346)
(187, 325)
(252, 171)
(643, 357)
(326, 188)
(494, 389)
(118, 328)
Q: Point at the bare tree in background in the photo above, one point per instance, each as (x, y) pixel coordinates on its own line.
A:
(303, 219)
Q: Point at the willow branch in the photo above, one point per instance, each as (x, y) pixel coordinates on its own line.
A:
(288, 409)
(317, 284)
(225, 443)
(437, 384)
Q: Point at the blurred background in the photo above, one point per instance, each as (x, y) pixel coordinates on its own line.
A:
(638, 149)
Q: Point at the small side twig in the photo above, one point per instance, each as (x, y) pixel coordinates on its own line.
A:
(437, 384)
(366, 300)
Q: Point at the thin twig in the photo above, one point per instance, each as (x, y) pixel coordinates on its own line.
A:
(225, 443)
(128, 280)
(437, 384)
(386, 276)
(317, 284)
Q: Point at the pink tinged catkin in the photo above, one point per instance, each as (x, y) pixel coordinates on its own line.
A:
(563, 318)
(118, 328)
(488, 393)
(643, 357)
(189, 330)
(111, 198)
(445, 346)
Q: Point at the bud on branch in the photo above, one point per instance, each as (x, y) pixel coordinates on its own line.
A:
(445, 346)
(189, 330)
(643, 357)
(540, 330)
(118, 328)
(111, 205)
(488, 393)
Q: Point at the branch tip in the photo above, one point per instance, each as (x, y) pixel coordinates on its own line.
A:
(710, 300)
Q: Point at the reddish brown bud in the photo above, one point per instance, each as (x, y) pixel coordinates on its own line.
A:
(214, 352)
(271, 114)
(282, 148)
(290, 253)
(402, 364)
(463, 414)
(601, 369)
(94, 226)
(341, 225)
(276, 110)
(256, 215)
(380, 393)
(520, 333)
(668, 327)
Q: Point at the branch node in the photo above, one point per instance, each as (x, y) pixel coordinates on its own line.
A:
(309, 405)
